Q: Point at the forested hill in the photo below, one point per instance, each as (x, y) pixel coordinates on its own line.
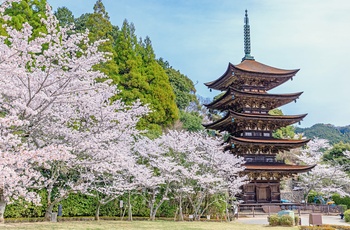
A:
(327, 131)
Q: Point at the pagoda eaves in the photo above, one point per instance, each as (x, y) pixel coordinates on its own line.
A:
(238, 99)
(270, 76)
(260, 121)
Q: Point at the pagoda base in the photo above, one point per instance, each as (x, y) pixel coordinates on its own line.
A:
(262, 191)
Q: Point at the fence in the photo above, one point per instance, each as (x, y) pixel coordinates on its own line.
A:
(272, 208)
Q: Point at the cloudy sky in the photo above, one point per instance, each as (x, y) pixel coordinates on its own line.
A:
(200, 38)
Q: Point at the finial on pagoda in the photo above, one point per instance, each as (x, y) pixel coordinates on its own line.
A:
(247, 55)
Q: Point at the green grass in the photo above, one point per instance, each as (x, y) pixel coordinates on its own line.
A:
(136, 225)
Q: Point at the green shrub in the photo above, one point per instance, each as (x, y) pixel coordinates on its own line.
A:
(286, 220)
(341, 200)
(343, 207)
(296, 220)
(274, 220)
(347, 216)
(326, 227)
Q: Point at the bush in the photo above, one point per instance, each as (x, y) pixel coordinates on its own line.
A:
(343, 207)
(316, 228)
(286, 220)
(274, 220)
(341, 200)
(296, 220)
(347, 216)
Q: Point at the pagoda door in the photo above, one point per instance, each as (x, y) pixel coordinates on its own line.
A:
(263, 193)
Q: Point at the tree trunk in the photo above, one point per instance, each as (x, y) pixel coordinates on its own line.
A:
(129, 207)
(160, 203)
(2, 210)
(48, 212)
(97, 213)
(181, 215)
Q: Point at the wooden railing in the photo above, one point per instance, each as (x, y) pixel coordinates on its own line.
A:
(273, 208)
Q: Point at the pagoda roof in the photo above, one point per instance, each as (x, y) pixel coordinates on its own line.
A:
(226, 123)
(232, 97)
(257, 67)
(269, 141)
(254, 69)
(283, 168)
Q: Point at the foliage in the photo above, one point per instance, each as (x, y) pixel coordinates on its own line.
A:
(318, 228)
(191, 121)
(341, 200)
(30, 11)
(141, 77)
(347, 216)
(287, 132)
(183, 86)
(327, 131)
(336, 154)
(64, 16)
(286, 220)
(274, 220)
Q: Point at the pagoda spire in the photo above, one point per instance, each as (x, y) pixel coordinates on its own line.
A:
(247, 55)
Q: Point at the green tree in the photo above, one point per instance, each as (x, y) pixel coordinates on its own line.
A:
(141, 77)
(287, 132)
(30, 11)
(191, 121)
(64, 16)
(183, 86)
(336, 154)
(80, 22)
(101, 28)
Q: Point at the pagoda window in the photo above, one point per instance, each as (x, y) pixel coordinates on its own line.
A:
(269, 159)
(248, 134)
(267, 135)
(249, 159)
(257, 134)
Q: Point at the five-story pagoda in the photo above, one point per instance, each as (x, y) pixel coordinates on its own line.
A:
(247, 104)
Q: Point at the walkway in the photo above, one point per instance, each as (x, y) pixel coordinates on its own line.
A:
(262, 219)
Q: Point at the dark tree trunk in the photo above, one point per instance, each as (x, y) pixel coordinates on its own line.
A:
(97, 213)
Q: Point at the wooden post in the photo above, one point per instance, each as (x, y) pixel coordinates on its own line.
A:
(328, 210)
(299, 211)
(253, 211)
(268, 207)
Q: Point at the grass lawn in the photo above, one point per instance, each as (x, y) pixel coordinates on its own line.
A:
(143, 225)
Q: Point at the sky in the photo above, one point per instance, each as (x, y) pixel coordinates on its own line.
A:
(200, 37)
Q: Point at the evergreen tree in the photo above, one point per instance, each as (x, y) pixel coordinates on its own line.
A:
(183, 86)
(142, 77)
(64, 16)
(101, 28)
(30, 11)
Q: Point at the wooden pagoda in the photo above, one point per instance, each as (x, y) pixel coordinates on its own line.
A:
(247, 104)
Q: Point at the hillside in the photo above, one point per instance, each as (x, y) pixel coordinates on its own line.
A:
(327, 131)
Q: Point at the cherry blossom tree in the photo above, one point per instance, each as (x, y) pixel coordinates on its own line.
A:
(55, 116)
(186, 165)
(324, 178)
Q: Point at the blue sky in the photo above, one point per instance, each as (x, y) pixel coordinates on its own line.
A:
(200, 38)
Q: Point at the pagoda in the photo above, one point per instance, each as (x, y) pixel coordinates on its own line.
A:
(246, 104)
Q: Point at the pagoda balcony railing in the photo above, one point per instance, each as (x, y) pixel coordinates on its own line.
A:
(264, 161)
